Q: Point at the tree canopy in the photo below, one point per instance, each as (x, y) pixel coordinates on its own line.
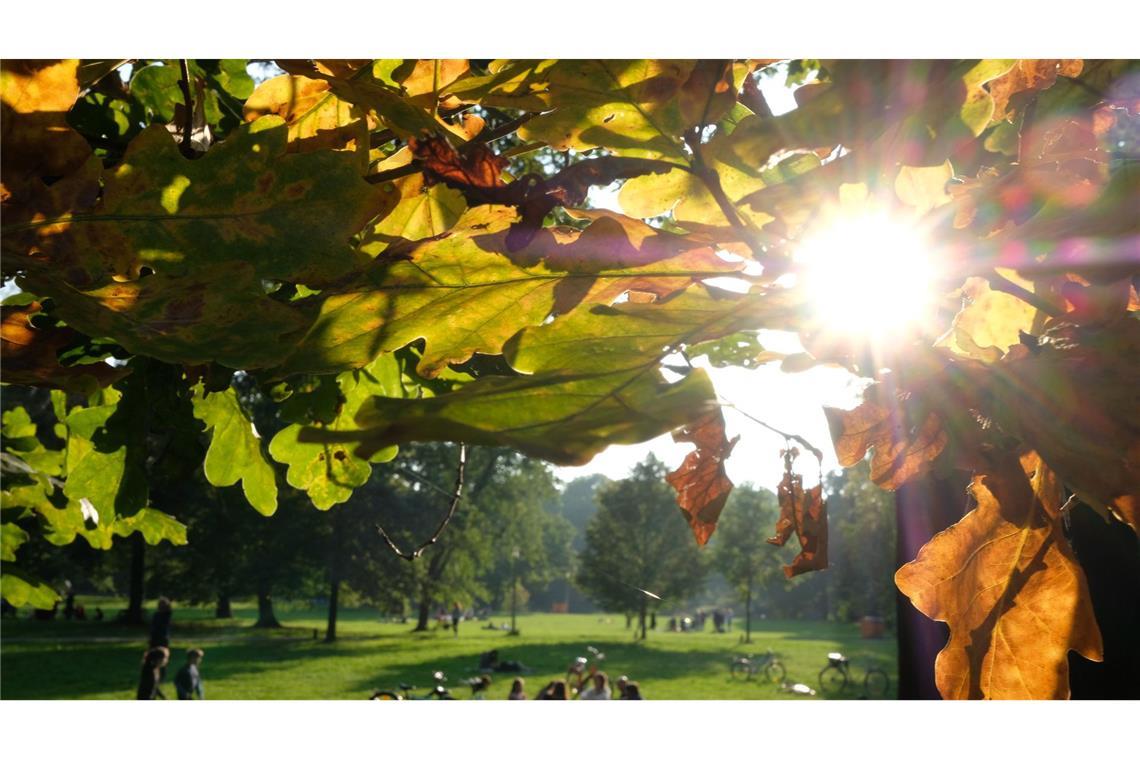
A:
(402, 251)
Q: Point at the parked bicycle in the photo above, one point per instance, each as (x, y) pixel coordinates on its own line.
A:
(768, 663)
(439, 691)
(836, 677)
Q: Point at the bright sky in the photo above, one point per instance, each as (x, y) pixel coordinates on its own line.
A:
(792, 402)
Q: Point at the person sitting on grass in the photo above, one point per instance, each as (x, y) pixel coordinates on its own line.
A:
(517, 689)
(188, 681)
(150, 679)
(599, 687)
(632, 691)
(553, 690)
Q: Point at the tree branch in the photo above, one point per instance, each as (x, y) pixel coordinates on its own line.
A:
(789, 436)
(188, 118)
(998, 282)
(455, 497)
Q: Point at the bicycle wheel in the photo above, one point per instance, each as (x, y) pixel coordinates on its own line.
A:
(775, 672)
(741, 670)
(876, 684)
(832, 681)
(385, 695)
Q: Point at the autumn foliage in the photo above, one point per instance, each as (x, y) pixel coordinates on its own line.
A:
(404, 250)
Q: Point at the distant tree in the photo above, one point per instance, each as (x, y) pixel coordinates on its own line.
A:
(638, 541)
(740, 550)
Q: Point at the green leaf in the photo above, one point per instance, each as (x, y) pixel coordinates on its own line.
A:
(978, 107)
(211, 230)
(629, 107)
(594, 382)
(328, 471)
(11, 538)
(421, 212)
(154, 525)
(316, 118)
(235, 449)
(564, 419)
(106, 455)
(20, 589)
(462, 294)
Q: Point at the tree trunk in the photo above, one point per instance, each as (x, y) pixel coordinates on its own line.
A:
(265, 616)
(334, 576)
(1109, 553)
(334, 595)
(222, 609)
(425, 611)
(641, 615)
(628, 621)
(138, 569)
(748, 609)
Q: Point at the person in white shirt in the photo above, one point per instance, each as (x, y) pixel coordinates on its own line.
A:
(599, 688)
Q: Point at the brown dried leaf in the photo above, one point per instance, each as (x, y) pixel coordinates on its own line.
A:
(701, 483)
(1028, 75)
(477, 167)
(805, 514)
(1006, 582)
(901, 449)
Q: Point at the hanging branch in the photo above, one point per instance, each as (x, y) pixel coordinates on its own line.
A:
(455, 497)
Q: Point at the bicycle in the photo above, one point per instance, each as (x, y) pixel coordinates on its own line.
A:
(768, 663)
(836, 677)
(439, 691)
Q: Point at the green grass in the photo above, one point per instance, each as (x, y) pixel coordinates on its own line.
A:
(89, 660)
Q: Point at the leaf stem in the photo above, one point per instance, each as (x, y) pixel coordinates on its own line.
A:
(725, 403)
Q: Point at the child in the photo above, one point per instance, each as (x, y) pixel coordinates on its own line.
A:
(150, 679)
(188, 682)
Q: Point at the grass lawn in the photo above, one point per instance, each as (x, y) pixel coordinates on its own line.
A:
(88, 660)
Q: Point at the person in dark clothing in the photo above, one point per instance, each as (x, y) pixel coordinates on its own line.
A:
(68, 601)
(150, 679)
(632, 691)
(553, 690)
(188, 681)
(456, 616)
(160, 624)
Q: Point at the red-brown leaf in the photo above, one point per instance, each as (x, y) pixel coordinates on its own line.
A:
(701, 482)
(805, 514)
(477, 167)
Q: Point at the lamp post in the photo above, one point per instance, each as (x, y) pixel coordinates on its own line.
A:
(514, 588)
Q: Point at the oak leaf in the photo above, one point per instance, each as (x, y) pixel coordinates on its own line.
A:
(803, 513)
(701, 482)
(901, 449)
(1006, 582)
(31, 354)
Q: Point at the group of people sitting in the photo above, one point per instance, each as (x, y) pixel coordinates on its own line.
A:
(597, 686)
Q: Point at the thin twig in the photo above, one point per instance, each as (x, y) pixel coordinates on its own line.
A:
(188, 118)
(790, 436)
(455, 497)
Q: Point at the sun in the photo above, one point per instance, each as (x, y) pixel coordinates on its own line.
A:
(867, 273)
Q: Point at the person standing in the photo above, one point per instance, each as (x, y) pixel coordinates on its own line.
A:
(456, 616)
(160, 624)
(188, 680)
(150, 679)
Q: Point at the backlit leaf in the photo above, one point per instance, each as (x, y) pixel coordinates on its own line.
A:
(902, 449)
(701, 482)
(35, 139)
(20, 589)
(235, 449)
(803, 513)
(316, 118)
(1006, 582)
